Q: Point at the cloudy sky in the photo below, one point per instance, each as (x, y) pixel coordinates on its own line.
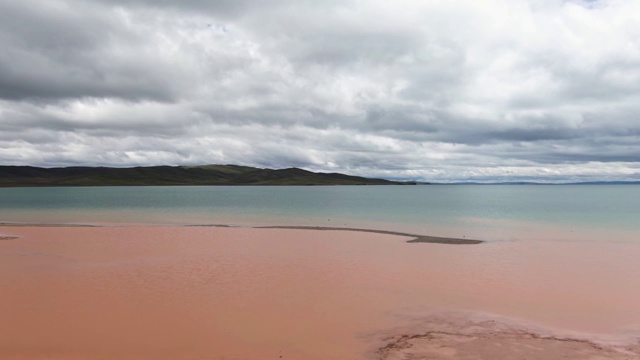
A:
(437, 90)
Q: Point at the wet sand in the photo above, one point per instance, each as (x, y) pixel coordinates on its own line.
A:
(455, 336)
(244, 293)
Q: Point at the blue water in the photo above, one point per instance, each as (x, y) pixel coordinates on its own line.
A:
(478, 210)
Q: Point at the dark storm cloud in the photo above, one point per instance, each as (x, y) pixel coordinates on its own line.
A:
(58, 50)
(218, 8)
(432, 91)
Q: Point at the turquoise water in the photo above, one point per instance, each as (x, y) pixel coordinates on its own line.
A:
(496, 211)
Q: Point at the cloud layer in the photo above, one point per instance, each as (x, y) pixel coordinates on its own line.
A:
(437, 91)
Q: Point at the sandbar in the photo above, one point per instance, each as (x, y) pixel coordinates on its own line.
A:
(415, 238)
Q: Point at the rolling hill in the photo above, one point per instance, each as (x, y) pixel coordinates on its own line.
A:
(28, 176)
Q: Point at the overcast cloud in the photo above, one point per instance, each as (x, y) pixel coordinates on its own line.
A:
(545, 90)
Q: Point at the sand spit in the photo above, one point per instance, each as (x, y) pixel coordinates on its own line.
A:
(446, 337)
(12, 224)
(416, 238)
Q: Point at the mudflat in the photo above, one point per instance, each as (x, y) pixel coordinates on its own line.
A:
(176, 292)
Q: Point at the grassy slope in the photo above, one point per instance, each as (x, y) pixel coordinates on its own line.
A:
(173, 175)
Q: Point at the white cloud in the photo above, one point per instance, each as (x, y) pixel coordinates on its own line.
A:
(439, 90)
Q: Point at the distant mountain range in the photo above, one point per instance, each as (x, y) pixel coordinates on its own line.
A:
(541, 183)
(28, 176)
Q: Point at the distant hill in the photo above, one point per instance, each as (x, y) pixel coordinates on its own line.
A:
(543, 183)
(28, 176)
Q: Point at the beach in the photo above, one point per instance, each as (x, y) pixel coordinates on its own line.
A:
(184, 292)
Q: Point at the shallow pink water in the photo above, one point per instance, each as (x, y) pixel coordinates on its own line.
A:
(239, 293)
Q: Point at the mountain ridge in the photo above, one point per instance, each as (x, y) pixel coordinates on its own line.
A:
(165, 175)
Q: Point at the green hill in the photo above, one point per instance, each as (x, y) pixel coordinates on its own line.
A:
(23, 176)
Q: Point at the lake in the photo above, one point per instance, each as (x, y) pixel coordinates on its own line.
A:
(487, 212)
(556, 279)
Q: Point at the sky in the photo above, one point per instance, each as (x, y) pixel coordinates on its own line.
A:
(434, 90)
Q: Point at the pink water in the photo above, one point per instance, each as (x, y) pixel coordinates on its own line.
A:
(240, 293)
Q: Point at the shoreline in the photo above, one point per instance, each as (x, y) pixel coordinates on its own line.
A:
(263, 291)
(457, 335)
